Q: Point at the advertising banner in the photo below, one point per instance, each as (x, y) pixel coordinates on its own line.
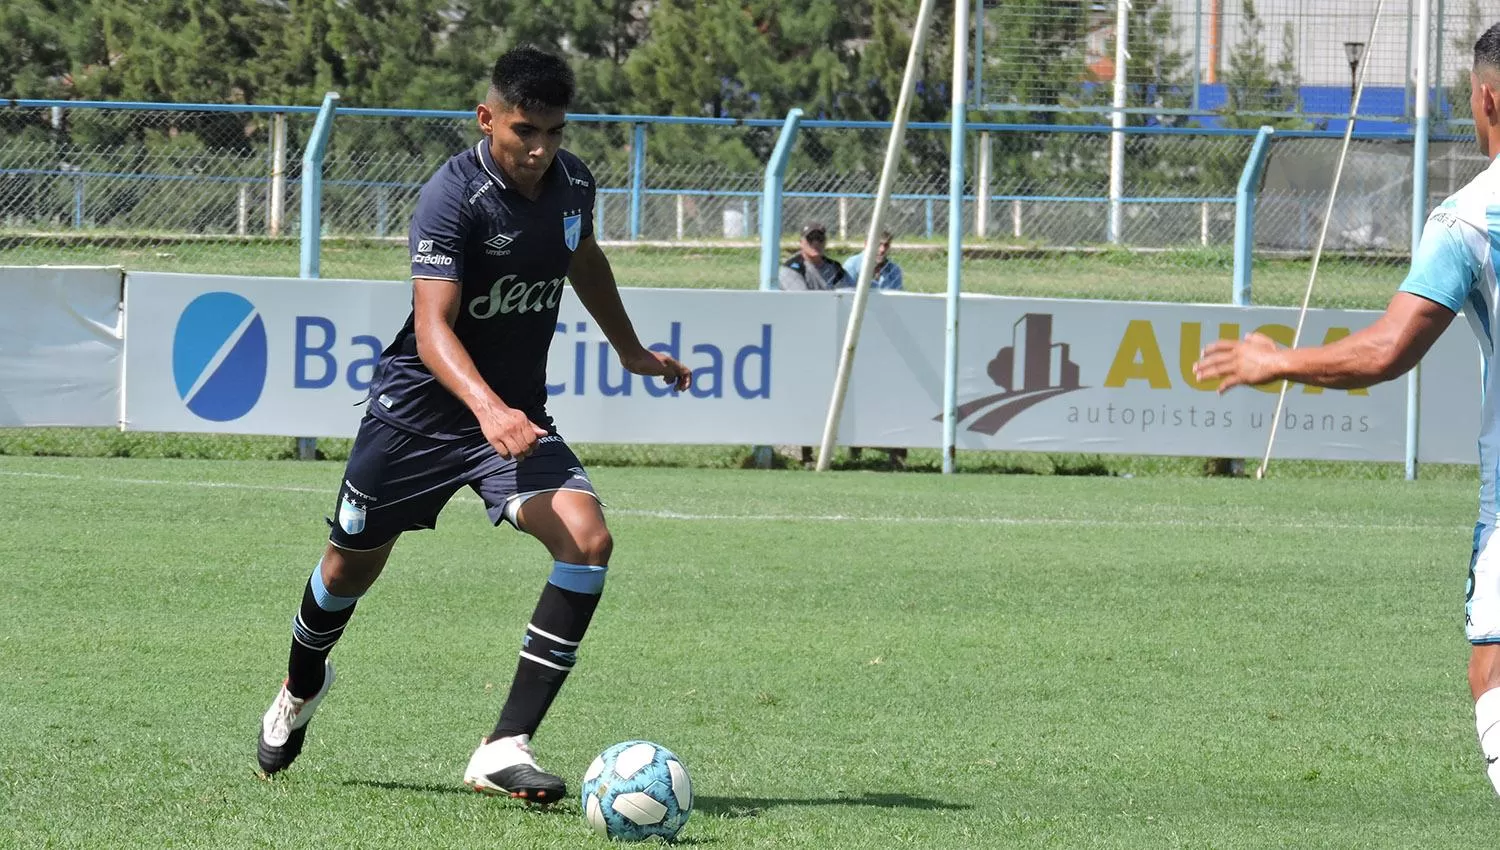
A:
(1116, 377)
(60, 346)
(296, 357)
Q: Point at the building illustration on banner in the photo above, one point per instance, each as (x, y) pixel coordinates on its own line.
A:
(1030, 370)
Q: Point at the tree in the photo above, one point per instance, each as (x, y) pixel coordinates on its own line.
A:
(1254, 86)
(33, 50)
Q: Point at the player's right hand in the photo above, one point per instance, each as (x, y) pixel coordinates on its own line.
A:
(1253, 361)
(511, 433)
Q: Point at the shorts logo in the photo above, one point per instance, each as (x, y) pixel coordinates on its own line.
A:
(351, 516)
(219, 356)
(572, 230)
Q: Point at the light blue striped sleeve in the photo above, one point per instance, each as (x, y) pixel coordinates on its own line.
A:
(1444, 269)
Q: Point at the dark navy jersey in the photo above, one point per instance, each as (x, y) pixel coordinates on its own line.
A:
(509, 256)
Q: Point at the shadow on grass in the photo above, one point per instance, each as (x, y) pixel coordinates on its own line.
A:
(430, 788)
(749, 807)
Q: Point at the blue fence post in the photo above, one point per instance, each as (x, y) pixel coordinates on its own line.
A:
(770, 200)
(312, 217)
(637, 179)
(770, 228)
(1244, 213)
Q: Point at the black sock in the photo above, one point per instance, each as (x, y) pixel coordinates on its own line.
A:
(317, 627)
(550, 648)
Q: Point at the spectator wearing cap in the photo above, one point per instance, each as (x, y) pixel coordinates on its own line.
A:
(810, 269)
(887, 273)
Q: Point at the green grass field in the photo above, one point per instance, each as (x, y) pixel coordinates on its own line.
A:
(1186, 276)
(851, 660)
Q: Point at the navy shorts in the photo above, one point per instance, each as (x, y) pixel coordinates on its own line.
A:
(398, 481)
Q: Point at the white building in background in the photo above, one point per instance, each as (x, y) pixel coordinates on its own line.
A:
(1321, 27)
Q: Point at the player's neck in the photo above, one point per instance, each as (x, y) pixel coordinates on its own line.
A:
(531, 190)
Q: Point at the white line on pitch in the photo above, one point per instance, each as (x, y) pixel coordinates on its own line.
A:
(826, 518)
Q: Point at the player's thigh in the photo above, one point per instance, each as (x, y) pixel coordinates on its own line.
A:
(570, 523)
(548, 495)
(394, 482)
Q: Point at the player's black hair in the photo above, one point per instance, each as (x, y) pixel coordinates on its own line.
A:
(1487, 49)
(528, 77)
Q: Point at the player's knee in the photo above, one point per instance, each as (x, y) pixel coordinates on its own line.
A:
(348, 572)
(1484, 671)
(594, 545)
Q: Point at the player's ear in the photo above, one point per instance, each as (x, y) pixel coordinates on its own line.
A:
(486, 118)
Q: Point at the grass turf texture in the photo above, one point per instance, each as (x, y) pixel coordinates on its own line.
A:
(847, 660)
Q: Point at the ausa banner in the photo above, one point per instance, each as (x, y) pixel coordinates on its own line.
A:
(1116, 377)
(285, 356)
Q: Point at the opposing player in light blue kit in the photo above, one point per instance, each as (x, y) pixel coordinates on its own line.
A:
(459, 400)
(1452, 270)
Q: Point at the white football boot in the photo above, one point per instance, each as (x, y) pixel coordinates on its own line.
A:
(284, 726)
(506, 766)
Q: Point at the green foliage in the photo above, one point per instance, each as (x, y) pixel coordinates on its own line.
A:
(33, 53)
(1253, 85)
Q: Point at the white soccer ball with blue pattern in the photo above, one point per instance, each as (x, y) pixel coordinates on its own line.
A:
(637, 790)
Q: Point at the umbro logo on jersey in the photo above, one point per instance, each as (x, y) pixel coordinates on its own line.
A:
(499, 244)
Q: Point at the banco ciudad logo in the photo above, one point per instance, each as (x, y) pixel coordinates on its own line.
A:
(1029, 371)
(219, 356)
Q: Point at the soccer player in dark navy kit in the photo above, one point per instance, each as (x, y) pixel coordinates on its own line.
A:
(459, 399)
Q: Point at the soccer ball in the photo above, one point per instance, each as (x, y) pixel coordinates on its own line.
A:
(636, 790)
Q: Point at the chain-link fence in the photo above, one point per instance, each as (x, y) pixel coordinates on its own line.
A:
(1221, 58)
(217, 189)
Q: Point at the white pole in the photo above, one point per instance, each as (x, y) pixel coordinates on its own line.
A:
(681, 217)
(1117, 120)
(1418, 218)
(877, 223)
(1015, 218)
(278, 173)
(242, 216)
(1203, 224)
(955, 232)
(1317, 256)
(982, 190)
(843, 217)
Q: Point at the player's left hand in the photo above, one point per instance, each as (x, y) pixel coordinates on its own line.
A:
(654, 363)
(1252, 360)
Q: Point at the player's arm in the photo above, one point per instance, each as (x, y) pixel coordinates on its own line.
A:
(1386, 349)
(1443, 273)
(594, 281)
(435, 305)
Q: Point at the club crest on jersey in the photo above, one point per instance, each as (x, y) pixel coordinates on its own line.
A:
(351, 516)
(572, 230)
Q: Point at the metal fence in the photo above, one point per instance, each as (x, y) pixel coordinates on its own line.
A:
(216, 188)
(1284, 58)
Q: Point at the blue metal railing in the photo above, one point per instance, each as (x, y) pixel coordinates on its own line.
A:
(638, 189)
